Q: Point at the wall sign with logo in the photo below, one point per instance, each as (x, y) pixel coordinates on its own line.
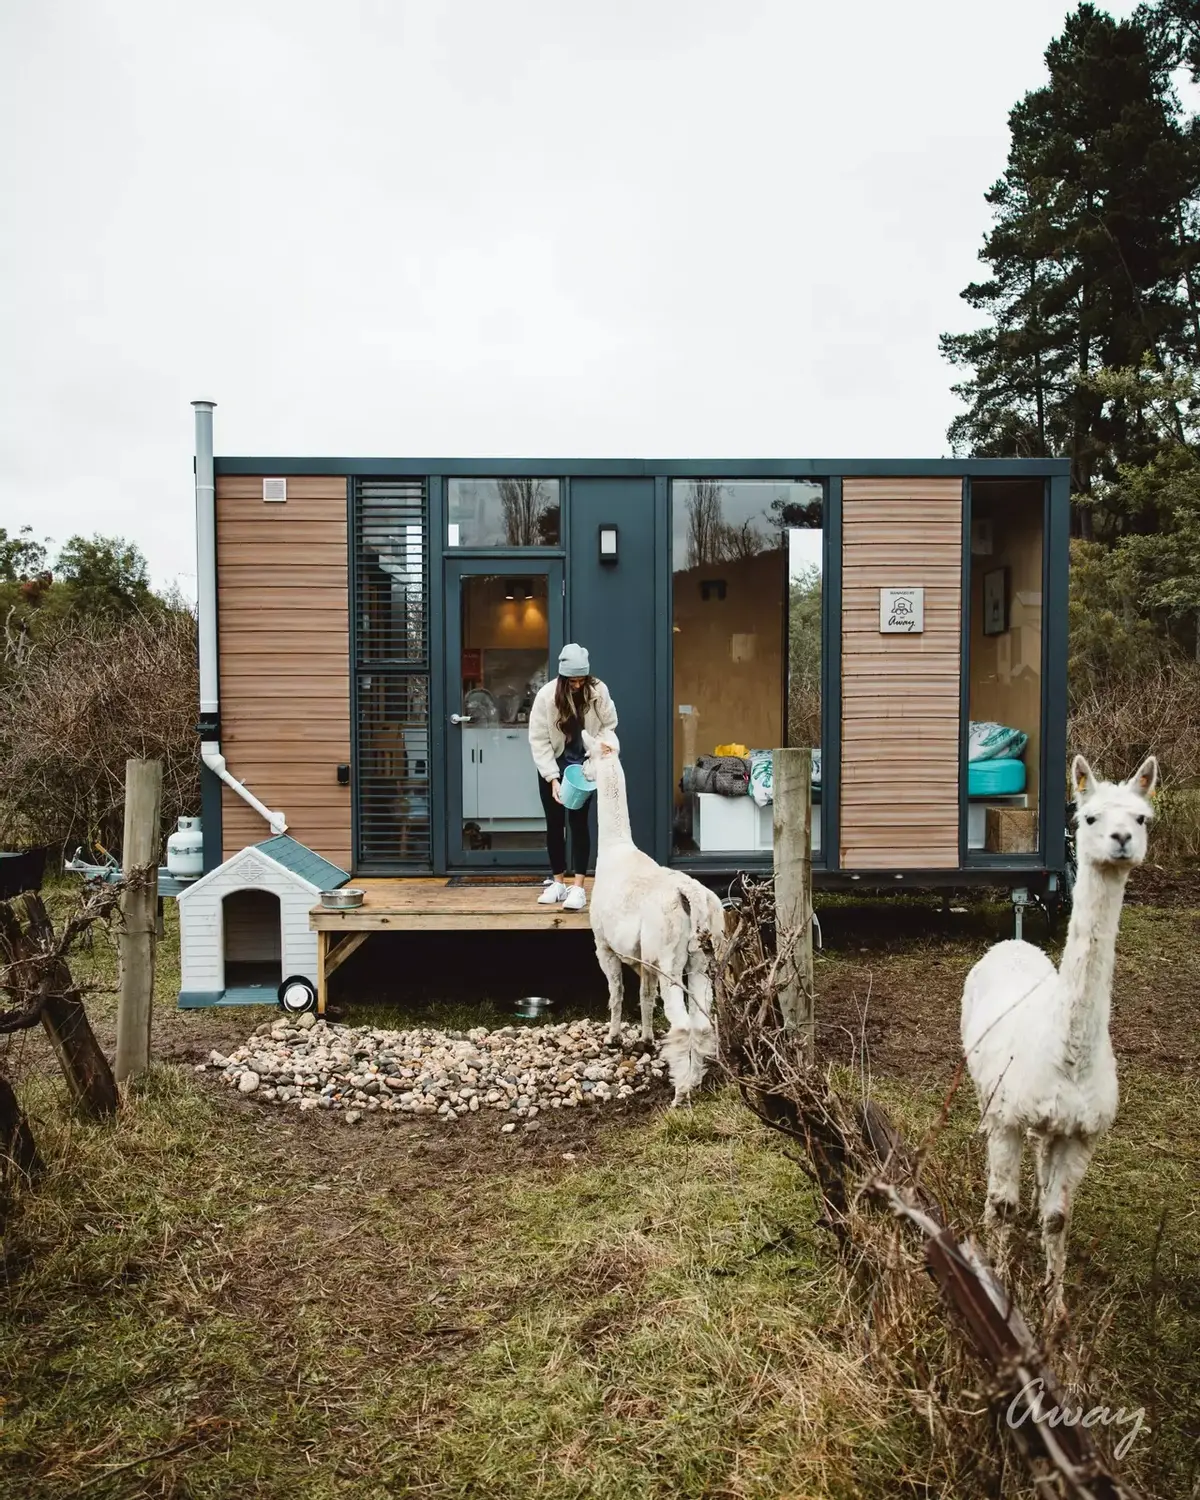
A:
(901, 611)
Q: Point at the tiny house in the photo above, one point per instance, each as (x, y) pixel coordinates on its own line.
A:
(373, 631)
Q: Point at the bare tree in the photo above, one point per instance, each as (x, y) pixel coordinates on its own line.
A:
(704, 522)
(525, 504)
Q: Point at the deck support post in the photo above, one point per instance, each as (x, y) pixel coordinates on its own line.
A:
(322, 977)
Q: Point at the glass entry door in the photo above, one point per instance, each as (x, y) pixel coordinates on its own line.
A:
(504, 622)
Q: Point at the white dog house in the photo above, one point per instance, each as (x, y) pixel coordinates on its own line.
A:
(243, 927)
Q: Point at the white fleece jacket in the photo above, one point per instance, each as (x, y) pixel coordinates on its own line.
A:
(546, 739)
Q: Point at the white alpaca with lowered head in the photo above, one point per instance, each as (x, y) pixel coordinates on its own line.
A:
(1036, 1038)
(655, 920)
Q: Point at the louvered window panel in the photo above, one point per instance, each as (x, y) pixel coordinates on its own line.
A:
(391, 654)
(391, 580)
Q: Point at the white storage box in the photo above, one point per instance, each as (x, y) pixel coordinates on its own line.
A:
(737, 825)
(977, 815)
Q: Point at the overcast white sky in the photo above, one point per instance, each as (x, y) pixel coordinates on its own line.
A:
(489, 227)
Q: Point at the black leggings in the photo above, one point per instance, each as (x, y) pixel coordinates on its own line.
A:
(556, 833)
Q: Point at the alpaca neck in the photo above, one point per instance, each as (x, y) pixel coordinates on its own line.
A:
(612, 809)
(1086, 970)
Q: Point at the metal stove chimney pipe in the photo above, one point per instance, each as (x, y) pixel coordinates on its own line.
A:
(206, 605)
(206, 570)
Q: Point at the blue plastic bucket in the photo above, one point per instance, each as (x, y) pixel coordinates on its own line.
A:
(574, 787)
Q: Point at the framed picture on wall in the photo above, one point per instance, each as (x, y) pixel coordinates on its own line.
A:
(995, 601)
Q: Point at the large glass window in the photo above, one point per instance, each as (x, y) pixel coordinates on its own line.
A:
(503, 513)
(1005, 739)
(746, 556)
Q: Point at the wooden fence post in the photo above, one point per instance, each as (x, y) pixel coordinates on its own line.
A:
(18, 1153)
(792, 778)
(139, 906)
(58, 1003)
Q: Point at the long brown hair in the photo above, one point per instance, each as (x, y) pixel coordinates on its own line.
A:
(569, 707)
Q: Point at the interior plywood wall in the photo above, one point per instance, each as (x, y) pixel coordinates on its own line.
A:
(729, 666)
(284, 659)
(901, 693)
(1006, 669)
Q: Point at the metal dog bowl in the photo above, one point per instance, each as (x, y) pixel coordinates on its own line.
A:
(345, 899)
(533, 1006)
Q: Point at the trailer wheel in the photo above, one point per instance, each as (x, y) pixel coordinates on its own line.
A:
(297, 994)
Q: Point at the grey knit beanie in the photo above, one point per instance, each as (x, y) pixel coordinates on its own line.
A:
(573, 662)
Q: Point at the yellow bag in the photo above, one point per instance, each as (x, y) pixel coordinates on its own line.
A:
(738, 750)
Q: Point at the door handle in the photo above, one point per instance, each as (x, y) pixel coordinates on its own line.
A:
(460, 718)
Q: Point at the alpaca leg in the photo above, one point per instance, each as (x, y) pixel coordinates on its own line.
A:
(676, 1047)
(611, 966)
(1067, 1160)
(1004, 1146)
(700, 1007)
(1041, 1169)
(647, 995)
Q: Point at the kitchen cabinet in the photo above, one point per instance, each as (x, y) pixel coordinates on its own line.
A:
(499, 779)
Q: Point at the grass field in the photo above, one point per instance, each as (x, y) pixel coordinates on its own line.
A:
(215, 1297)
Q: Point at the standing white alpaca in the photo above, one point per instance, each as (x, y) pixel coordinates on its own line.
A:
(1036, 1038)
(653, 919)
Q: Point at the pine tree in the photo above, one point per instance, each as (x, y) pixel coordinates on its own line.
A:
(1090, 253)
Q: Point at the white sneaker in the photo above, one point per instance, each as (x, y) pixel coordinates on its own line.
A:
(554, 893)
(576, 899)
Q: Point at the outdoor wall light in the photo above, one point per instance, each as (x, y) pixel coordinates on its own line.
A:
(608, 544)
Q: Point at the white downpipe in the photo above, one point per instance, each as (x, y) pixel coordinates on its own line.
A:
(210, 754)
(206, 606)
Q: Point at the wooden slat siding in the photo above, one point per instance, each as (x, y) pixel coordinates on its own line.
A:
(900, 694)
(284, 636)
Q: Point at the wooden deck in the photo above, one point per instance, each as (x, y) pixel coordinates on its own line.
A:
(428, 904)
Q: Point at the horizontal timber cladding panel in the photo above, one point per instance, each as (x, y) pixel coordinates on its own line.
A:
(284, 639)
(304, 571)
(917, 515)
(934, 665)
(901, 694)
(293, 644)
(242, 667)
(299, 487)
(241, 618)
(274, 594)
(893, 698)
(259, 533)
(299, 554)
(243, 826)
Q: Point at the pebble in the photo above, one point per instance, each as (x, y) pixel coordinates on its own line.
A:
(517, 1072)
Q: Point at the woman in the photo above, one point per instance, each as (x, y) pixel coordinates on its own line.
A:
(567, 705)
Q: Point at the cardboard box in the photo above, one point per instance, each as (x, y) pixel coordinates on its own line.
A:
(1011, 830)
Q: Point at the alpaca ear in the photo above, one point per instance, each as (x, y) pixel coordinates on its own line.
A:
(589, 744)
(1145, 779)
(1082, 779)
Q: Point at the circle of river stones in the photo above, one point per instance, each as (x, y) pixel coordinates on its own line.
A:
(517, 1071)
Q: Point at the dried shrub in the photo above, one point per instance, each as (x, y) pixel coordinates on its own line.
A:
(1119, 717)
(89, 694)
